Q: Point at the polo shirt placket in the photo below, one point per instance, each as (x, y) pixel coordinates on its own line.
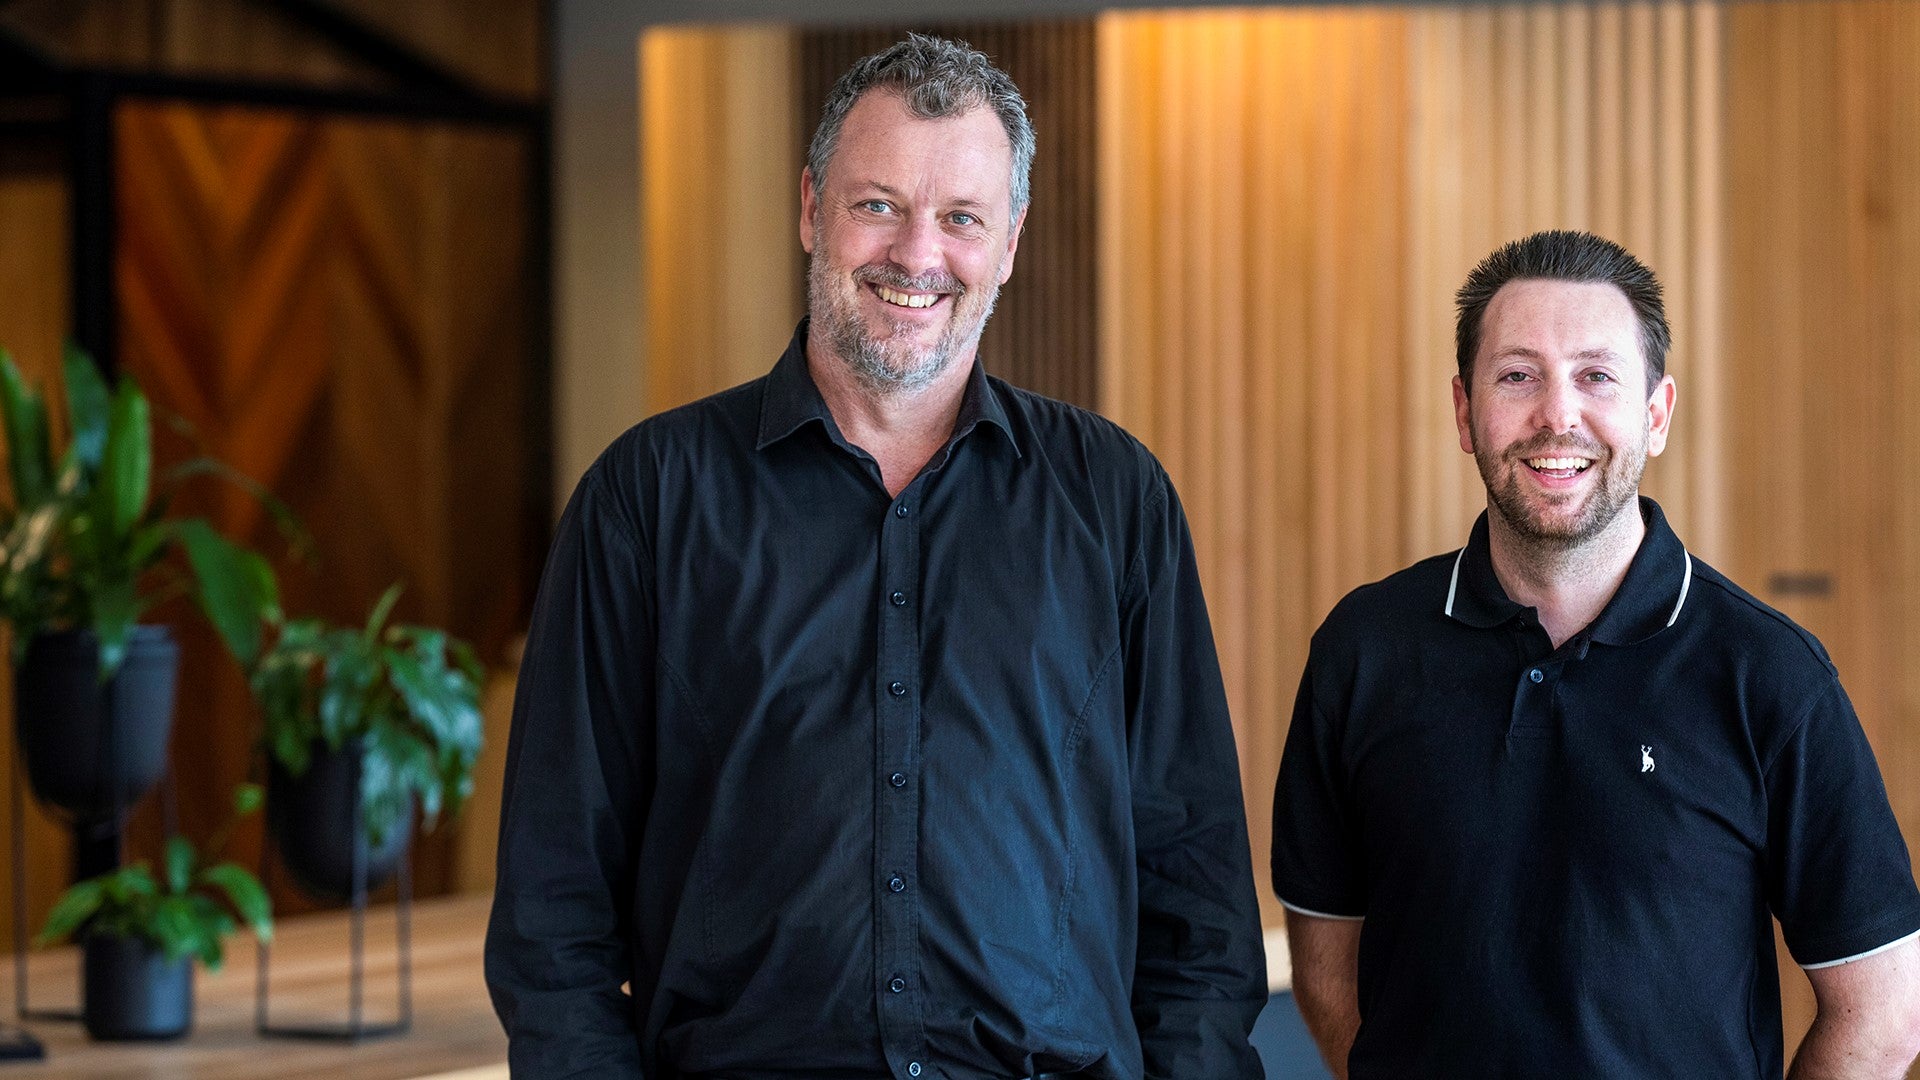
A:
(897, 697)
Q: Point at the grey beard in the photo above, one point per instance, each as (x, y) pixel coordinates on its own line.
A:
(868, 359)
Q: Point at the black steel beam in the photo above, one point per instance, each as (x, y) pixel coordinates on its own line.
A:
(303, 98)
(91, 171)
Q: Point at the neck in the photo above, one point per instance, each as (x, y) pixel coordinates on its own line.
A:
(1568, 584)
(901, 429)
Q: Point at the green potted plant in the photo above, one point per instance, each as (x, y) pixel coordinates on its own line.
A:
(141, 933)
(360, 722)
(85, 548)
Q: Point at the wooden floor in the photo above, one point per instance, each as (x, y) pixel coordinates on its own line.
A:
(453, 1023)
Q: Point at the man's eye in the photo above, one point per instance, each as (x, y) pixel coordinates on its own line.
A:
(1599, 376)
(1514, 377)
(875, 206)
(965, 219)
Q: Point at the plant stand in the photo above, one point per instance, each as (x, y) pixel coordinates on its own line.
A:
(356, 1027)
(22, 1005)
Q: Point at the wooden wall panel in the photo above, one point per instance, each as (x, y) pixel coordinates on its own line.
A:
(1289, 200)
(33, 324)
(1252, 193)
(340, 310)
(720, 166)
(1042, 334)
(1822, 288)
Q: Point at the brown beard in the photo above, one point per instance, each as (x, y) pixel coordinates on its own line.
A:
(1617, 488)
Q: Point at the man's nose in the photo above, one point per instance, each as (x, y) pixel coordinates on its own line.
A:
(1559, 406)
(916, 245)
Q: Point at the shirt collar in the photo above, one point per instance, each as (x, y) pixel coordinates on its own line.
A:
(790, 401)
(1650, 598)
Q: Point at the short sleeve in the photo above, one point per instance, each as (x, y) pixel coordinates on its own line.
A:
(1317, 864)
(1838, 874)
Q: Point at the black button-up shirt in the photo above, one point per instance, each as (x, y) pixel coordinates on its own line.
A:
(847, 785)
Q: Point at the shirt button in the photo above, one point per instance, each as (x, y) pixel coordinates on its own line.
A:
(899, 598)
(897, 883)
(1534, 675)
(913, 1068)
(900, 688)
(901, 511)
(898, 779)
(897, 984)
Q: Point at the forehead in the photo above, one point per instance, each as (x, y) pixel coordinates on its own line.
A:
(1560, 318)
(966, 155)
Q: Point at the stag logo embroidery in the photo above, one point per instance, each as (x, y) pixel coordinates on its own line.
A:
(1646, 759)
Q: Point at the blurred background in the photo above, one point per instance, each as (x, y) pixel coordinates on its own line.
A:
(413, 265)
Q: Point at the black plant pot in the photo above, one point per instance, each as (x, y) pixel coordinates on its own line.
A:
(132, 991)
(313, 819)
(95, 749)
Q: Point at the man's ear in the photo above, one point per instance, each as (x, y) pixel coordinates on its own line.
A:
(1659, 416)
(1462, 414)
(809, 206)
(1013, 244)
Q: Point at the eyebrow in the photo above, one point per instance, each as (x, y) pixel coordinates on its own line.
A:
(963, 203)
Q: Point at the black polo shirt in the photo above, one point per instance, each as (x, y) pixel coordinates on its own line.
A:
(1567, 859)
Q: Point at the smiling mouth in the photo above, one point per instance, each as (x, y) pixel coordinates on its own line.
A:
(906, 299)
(1561, 468)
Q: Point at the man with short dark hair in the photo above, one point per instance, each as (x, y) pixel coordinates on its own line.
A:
(870, 723)
(1541, 795)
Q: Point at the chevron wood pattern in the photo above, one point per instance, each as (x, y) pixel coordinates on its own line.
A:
(339, 309)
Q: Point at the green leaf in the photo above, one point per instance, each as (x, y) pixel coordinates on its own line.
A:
(381, 610)
(126, 466)
(247, 798)
(179, 864)
(179, 929)
(246, 894)
(344, 697)
(26, 421)
(73, 909)
(116, 607)
(298, 539)
(88, 408)
(236, 587)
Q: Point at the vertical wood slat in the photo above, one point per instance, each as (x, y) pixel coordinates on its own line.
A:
(720, 183)
(1401, 184)
(1257, 158)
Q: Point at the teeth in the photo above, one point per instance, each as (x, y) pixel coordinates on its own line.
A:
(904, 299)
(1555, 464)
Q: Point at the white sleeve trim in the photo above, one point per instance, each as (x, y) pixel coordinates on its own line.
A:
(1279, 960)
(1896, 943)
(1319, 914)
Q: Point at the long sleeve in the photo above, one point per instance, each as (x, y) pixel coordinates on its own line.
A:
(1200, 976)
(578, 773)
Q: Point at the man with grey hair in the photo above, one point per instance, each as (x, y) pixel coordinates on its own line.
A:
(870, 723)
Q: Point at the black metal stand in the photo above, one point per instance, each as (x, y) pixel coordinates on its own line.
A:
(22, 1006)
(356, 1028)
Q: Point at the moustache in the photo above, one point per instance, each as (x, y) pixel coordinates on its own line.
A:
(1547, 444)
(934, 281)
